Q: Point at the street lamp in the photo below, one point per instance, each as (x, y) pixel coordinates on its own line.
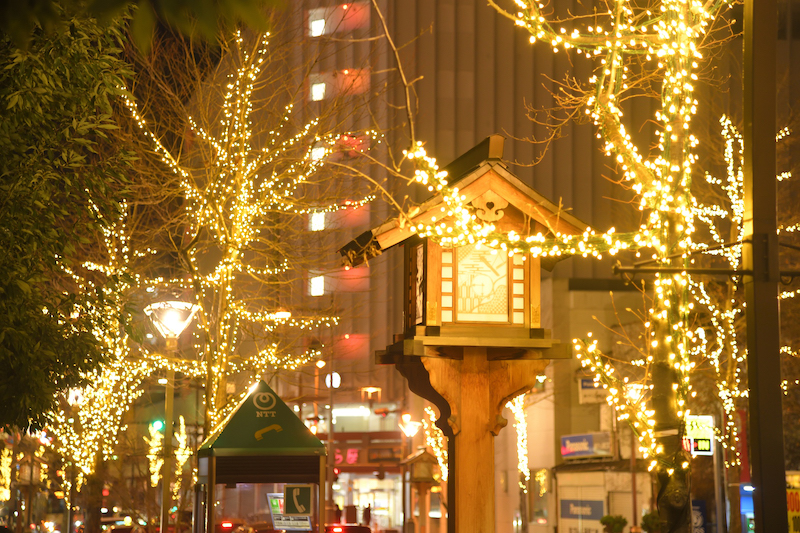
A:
(170, 318)
(75, 399)
(29, 477)
(409, 428)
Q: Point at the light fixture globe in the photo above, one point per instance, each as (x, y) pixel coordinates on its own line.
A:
(409, 427)
(171, 318)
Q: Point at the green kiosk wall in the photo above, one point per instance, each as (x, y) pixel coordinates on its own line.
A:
(262, 441)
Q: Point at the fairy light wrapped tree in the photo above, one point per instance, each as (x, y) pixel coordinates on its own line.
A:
(633, 47)
(257, 170)
(235, 161)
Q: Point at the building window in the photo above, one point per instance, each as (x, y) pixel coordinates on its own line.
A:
(316, 27)
(342, 18)
(316, 286)
(317, 91)
(316, 222)
(336, 83)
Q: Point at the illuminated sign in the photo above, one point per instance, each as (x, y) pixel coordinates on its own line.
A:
(699, 438)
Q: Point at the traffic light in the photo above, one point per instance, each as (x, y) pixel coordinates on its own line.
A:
(157, 425)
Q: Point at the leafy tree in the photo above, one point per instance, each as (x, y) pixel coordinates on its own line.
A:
(55, 159)
(205, 18)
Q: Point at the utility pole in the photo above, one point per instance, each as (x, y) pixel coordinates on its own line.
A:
(760, 255)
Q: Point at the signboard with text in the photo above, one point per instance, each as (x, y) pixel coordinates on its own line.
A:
(281, 520)
(582, 509)
(793, 505)
(357, 455)
(699, 438)
(590, 392)
(586, 445)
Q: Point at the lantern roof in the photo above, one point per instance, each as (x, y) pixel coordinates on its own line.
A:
(479, 174)
(422, 455)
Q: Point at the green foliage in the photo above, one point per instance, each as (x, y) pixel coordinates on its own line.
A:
(203, 18)
(55, 157)
(614, 523)
(651, 523)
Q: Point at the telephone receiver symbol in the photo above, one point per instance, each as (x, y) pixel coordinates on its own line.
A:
(274, 427)
(300, 508)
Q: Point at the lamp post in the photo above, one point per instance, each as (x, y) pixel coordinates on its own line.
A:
(29, 477)
(170, 319)
(75, 399)
(409, 428)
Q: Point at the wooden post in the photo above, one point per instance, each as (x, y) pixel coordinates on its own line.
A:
(477, 388)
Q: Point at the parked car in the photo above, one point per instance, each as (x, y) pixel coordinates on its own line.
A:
(127, 529)
(346, 528)
(228, 526)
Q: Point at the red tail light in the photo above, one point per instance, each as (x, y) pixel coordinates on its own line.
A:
(227, 525)
(337, 530)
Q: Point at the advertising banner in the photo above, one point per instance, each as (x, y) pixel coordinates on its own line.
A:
(586, 445)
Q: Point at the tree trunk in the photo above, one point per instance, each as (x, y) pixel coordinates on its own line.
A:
(94, 497)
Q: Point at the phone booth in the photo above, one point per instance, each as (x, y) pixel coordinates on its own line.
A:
(260, 470)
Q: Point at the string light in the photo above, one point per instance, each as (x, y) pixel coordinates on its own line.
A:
(669, 40)
(155, 458)
(232, 202)
(6, 456)
(182, 454)
(436, 441)
(517, 407)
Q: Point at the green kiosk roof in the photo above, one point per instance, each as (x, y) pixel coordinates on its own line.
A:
(261, 425)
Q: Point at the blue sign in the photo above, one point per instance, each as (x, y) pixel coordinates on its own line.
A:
(586, 445)
(582, 509)
(698, 516)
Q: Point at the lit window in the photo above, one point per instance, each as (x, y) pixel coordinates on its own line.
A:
(317, 221)
(316, 286)
(317, 92)
(333, 380)
(317, 27)
(318, 152)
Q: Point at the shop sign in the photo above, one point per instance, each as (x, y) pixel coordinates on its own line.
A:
(280, 520)
(582, 509)
(699, 438)
(586, 445)
(355, 456)
(793, 504)
(588, 393)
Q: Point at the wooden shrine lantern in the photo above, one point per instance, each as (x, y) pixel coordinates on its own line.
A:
(470, 295)
(472, 335)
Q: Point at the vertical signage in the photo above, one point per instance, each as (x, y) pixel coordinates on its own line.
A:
(280, 520)
(793, 504)
(699, 438)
